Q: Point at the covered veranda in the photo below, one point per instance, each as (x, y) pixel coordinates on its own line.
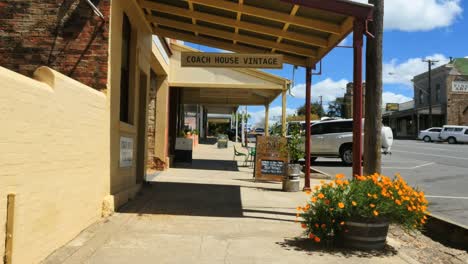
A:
(207, 91)
(302, 31)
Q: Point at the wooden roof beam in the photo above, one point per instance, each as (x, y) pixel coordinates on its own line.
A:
(238, 18)
(234, 36)
(315, 24)
(221, 45)
(194, 21)
(310, 40)
(293, 12)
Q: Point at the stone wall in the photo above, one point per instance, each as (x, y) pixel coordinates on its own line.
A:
(54, 157)
(65, 35)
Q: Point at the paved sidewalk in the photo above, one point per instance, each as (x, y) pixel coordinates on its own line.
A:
(211, 212)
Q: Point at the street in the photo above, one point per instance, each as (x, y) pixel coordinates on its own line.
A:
(438, 169)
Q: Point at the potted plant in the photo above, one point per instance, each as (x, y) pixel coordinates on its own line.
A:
(291, 181)
(357, 213)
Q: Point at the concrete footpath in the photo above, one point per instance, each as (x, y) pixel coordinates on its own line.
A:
(210, 212)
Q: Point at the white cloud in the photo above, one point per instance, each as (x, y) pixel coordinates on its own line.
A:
(328, 89)
(275, 115)
(389, 97)
(420, 15)
(402, 73)
(466, 57)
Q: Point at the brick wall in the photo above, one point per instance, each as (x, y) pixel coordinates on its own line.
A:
(65, 35)
(54, 157)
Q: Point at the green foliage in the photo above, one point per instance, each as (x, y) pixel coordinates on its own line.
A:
(294, 145)
(370, 198)
(315, 108)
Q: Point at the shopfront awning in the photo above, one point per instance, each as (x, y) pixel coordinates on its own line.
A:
(303, 31)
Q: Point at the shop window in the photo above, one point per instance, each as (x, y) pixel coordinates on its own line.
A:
(125, 111)
(437, 93)
(421, 97)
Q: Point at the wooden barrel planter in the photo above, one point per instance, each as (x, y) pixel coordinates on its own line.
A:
(365, 235)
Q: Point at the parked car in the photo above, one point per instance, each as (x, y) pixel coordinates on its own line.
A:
(259, 131)
(430, 134)
(454, 134)
(335, 139)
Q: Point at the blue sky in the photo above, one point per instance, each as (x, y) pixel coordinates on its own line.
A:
(414, 30)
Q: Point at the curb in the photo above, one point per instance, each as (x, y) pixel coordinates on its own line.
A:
(446, 232)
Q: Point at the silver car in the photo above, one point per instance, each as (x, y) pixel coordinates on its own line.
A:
(430, 134)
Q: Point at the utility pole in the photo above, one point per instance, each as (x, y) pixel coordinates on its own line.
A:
(373, 98)
(321, 105)
(429, 65)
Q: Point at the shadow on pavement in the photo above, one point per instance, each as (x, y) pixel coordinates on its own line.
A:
(302, 244)
(208, 141)
(199, 164)
(327, 164)
(212, 200)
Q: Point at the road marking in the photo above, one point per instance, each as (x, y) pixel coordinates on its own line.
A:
(410, 168)
(443, 149)
(425, 154)
(447, 197)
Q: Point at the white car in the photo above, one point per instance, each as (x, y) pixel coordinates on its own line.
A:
(454, 134)
(335, 139)
(430, 134)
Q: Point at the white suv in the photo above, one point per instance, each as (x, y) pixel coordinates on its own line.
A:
(454, 134)
(335, 139)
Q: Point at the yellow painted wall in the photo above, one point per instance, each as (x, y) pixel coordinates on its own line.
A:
(54, 154)
(162, 121)
(123, 180)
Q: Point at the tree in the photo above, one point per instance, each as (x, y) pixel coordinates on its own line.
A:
(315, 108)
(373, 99)
(334, 108)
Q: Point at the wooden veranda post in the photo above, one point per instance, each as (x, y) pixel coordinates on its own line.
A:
(307, 136)
(359, 26)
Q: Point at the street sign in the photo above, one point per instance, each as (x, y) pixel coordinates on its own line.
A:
(231, 60)
(392, 107)
(460, 87)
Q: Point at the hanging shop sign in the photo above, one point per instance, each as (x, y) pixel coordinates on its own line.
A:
(126, 152)
(460, 87)
(392, 107)
(231, 60)
(271, 159)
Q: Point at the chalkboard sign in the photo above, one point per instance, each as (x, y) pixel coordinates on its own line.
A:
(273, 167)
(271, 158)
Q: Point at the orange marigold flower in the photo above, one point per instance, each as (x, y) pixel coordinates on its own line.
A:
(340, 176)
(376, 213)
(311, 236)
(308, 192)
(316, 187)
(372, 205)
(398, 202)
(346, 182)
(299, 208)
(317, 225)
(303, 225)
(321, 196)
(339, 182)
(323, 226)
(322, 182)
(369, 195)
(410, 209)
(354, 203)
(317, 239)
(341, 205)
(375, 196)
(314, 199)
(307, 207)
(342, 223)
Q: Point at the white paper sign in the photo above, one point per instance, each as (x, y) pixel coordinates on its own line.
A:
(126, 152)
(460, 87)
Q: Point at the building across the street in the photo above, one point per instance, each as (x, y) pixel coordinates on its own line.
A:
(447, 98)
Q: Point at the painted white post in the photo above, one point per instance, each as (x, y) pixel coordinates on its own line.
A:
(237, 127)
